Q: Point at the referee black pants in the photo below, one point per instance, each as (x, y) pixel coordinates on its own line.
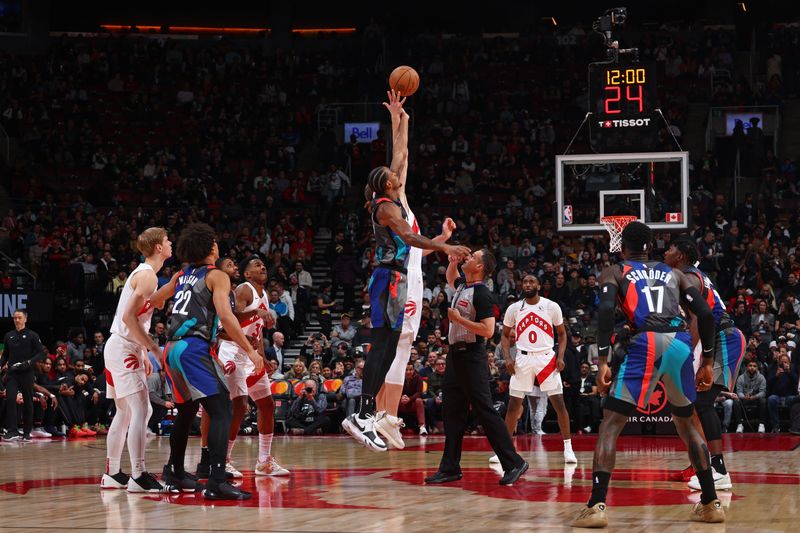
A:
(465, 384)
(19, 382)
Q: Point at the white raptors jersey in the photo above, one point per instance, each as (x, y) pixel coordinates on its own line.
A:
(535, 324)
(252, 326)
(118, 327)
(415, 254)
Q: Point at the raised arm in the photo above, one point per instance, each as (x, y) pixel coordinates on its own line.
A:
(399, 136)
(448, 227)
(452, 271)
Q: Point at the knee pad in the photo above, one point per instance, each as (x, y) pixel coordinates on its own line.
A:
(684, 411)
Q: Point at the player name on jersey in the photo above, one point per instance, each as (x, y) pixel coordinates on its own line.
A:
(644, 274)
(187, 279)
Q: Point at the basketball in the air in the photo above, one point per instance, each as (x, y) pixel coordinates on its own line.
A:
(404, 80)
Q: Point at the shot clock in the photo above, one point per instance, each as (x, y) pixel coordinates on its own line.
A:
(622, 98)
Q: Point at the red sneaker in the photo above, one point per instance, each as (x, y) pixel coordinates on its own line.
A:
(76, 432)
(88, 432)
(684, 475)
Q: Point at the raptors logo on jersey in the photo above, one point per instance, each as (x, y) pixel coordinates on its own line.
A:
(411, 308)
(131, 361)
(534, 324)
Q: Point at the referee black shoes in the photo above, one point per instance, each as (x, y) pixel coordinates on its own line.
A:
(442, 477)
(511, 476)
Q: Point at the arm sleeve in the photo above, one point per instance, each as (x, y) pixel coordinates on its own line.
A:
(484, 304)
(705, 320)
(605, 318)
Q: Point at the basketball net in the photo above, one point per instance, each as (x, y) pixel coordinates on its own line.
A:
(615, 225)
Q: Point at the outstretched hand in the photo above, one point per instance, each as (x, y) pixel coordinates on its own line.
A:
(395, 103)
(448, 227)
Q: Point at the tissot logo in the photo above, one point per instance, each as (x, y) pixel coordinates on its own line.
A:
(624, 123)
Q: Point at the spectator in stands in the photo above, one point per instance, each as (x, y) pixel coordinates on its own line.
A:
(298, 370)
(75, 347)
(751, 390)
(324, 304)
(274, 370)
(317, 347)
(281, 303)
(350, 391)
(275, 352)
(160, 399)
(433, 404)
(303, 277)
(307, 413)
(782, 389)
(763, 321)
(588, 414)
(345, 331)
(411, 402)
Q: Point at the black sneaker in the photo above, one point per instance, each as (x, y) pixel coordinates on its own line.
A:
(147, 483)
(224, 491)
(26, 437)
(511, 476)
(184, 482)
(117, 481)
(55, 432)
(204, 471)
(12, 436)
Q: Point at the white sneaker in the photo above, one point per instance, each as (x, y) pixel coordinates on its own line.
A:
(587, 429)
(761, 428)
(721, 482)
(270, 467)
(494, 459)
(389, 426)
(423, 431)
(40, 433)
(740, 429)
(540, 432)
(150, 433)
(363, 430)
(569, 456)
(229, 468)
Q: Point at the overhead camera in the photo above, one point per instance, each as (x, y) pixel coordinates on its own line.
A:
(605, 25)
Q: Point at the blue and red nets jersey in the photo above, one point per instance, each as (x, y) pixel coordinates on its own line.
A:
(390, 249)
(711, 297)
(650, 296)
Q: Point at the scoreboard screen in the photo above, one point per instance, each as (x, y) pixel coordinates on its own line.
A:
(622, 99)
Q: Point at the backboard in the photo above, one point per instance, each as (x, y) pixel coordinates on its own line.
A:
(653, 186)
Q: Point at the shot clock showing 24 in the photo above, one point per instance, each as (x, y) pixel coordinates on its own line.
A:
(622, 98)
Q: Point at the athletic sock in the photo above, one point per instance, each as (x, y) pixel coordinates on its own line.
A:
(112, 466)
(567, 445)
(367, 406)
(706, 479)
(600, 482)
(719, 464)
(230, 447)
(205, 458)
(137, 468)
(264, 446)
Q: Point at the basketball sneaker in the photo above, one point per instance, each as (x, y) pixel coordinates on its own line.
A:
(230, 469)
(494, 459)
(711, 512)
(55, 432)
(224, 491)
(76, 432)
(593, 517)
(204, 471)
(721, 481)
(684, 475)
(12, 436)
(88, 431)
(147, 483)
(270, 467)
(740, 428)
(363, 430)
(117, 481)
(389, 426)
(184, 482)
(40, 433)
(26, 437)
(569, 455)
(423, 431)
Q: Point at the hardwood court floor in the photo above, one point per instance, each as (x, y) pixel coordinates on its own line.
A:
(337, 485)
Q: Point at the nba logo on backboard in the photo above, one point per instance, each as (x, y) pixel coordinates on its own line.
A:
(567, 214)
(674, 217)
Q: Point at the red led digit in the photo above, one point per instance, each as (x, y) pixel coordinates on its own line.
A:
(609, 99)
(638, 89)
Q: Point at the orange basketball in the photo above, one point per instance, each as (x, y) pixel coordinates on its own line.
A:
(404, 80)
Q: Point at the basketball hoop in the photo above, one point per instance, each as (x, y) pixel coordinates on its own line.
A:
(615, 225)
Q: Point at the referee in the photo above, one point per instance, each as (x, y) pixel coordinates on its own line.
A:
(22, 349)
(466, 378)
